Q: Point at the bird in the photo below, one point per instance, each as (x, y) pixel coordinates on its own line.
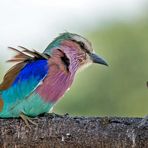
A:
(38, 80)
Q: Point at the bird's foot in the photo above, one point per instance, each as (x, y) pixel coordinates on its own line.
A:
(143, 121)
(27, 119)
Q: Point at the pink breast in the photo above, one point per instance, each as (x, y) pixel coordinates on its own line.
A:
(55, 84)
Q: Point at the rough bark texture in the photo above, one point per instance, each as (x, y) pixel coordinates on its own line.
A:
(55, 131)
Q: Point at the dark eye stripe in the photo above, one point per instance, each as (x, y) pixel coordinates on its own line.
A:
(82, 46)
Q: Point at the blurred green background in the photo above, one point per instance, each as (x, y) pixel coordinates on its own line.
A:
(117, 90)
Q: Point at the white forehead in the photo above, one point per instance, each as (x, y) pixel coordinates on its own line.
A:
(79, 38)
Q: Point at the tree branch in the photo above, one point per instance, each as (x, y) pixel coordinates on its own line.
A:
(67, 132)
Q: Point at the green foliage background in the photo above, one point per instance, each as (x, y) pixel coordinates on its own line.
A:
(117, 90)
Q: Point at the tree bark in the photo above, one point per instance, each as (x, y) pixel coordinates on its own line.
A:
(56, 131)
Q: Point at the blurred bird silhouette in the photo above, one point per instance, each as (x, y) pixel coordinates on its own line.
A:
(39, 80)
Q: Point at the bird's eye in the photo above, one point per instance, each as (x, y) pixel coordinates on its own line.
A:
(82, 45)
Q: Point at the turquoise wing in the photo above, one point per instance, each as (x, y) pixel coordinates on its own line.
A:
(27, 80)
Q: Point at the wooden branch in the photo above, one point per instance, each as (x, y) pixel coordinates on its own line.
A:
(55, 131)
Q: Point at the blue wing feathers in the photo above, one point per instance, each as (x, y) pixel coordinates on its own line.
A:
(26, 81)
(37, 69)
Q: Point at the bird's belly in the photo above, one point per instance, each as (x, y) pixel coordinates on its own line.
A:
(35, 105)
(32, 106)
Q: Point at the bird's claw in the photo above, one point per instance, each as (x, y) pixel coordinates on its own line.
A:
(27, 119)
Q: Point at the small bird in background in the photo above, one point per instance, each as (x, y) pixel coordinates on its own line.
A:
(39, 80)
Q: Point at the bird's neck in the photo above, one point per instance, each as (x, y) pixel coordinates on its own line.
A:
(71, 51)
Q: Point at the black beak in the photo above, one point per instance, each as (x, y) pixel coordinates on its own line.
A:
(96, 59)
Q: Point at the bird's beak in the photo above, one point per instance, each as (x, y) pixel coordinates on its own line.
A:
(96, 59)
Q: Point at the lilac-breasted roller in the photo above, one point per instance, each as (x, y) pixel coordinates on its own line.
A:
(39, 80)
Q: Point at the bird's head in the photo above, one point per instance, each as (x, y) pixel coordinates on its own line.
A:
(77, 50)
